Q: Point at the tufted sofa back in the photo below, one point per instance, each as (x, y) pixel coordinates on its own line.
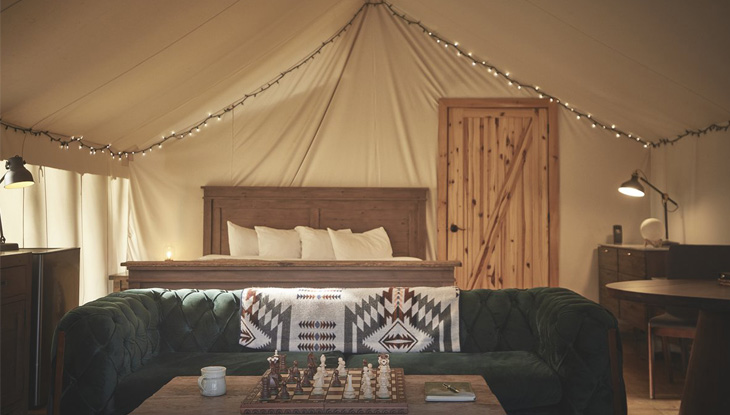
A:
(208, 320)
(497, 320)
(199, 321)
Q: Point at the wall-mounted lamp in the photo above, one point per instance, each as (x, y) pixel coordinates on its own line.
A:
(16, 177)
(633, 188)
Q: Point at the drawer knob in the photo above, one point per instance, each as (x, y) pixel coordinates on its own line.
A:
(628, 253)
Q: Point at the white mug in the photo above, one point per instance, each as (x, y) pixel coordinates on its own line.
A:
(212, 381)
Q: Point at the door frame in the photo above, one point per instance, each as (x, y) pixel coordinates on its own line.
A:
(445, 105)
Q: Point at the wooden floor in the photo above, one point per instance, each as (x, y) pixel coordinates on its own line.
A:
(636, 378)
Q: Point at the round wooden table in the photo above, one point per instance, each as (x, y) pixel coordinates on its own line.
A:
(707, 385)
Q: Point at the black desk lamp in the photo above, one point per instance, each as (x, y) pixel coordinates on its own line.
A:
(15, 177)
(633, 188)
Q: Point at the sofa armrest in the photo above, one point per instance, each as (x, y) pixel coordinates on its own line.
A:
(579, 340)
(103, 341)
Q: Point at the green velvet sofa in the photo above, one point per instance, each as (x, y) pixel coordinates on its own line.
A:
(541, 350)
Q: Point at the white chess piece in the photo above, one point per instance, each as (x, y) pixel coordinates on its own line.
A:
(349, 392)
(322, 360)
(367, 388)
(370, 370)
(318, 382)
(341, 369)
(383, 387)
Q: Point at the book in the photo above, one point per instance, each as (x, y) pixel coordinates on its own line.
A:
(447, 392)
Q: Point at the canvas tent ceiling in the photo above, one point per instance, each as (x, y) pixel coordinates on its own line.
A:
(127, 72)
(364, 112)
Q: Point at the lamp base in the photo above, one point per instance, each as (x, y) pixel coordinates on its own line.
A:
(8, 247)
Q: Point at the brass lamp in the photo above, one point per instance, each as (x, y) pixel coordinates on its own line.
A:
(16, 177)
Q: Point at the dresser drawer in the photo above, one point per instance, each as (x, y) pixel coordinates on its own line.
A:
(12, 281)
(607, 258)
(632, 262)
(606, 276)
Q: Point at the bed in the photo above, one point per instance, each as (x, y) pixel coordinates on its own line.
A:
(400, 211)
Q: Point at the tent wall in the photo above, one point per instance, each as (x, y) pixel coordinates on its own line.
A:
(65, 209)
(366, 115)
(696, 173)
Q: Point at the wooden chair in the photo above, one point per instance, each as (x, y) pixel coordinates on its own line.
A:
(686, 262)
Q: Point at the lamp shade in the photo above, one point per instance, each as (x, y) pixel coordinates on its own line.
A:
(17, 175)
(632, 187)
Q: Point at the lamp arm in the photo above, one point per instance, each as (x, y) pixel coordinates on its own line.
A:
(665, 196)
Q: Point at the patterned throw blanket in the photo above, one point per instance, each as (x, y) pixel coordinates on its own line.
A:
(357, 320)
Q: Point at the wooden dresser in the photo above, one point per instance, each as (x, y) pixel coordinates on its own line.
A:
(625, 263)
(15, 292)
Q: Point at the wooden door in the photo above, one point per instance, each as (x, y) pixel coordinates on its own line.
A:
(498, 192)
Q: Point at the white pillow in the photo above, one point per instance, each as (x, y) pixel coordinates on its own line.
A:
(373, 244)
(316, 243)
(278, 243)
(242, 241)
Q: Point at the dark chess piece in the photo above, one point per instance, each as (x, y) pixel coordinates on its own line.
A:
(284, 394)
(298, 389)
(306, 379)
(296, 366)
(265, 392)
(310, 359)
(293, 375)
(336, 379)
(364, 363)
(312, 370)
(282, 363)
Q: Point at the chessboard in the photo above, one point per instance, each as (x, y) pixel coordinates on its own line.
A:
(332, 401)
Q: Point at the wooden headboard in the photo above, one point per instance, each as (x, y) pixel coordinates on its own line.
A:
(401, 211)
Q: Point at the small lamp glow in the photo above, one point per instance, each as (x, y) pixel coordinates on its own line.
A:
(632, 187)
(168, 253)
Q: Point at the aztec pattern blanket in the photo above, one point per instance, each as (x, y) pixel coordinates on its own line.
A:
(356, 320)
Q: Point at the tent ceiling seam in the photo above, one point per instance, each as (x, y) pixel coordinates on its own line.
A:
(331, 98)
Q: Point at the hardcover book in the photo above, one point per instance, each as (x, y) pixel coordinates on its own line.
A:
(449, 392)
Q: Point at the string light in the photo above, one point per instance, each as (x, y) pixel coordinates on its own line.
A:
(579, 114)
(65, 140)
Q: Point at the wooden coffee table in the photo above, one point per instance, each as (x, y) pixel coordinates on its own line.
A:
(181, 396)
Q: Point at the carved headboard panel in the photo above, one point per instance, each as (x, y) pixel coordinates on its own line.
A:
(401, 211)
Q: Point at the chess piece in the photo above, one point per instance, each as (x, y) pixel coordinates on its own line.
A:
(295, 365)
(310, 359)
(384, 362)
(318, 383)
(370, 370)
(364, 364)
(312, 369)
(274, 383)
(293, 374)
(306, 379)
(349, 392)
(282, 363)
(298, 389)
(322, 364)
(341, 369)
(336, 379)
(383, 388)
(366, 386)
(284, 394)
(265, 392)
(320, 374)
